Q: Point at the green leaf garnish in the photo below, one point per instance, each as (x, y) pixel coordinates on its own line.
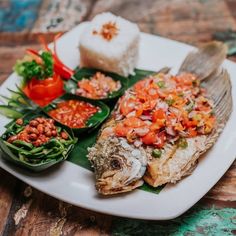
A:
(17, 104)
(32, 69)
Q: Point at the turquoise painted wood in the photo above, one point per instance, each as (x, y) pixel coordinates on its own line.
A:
(18, 15)
(197, 221)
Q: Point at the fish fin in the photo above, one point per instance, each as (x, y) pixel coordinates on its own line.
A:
(164, 70)
(219, 90)
(206, 60)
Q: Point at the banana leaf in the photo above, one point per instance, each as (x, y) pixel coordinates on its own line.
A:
(87, 73)
(17, 104)
(93, 122)
(34, 158)
(79, 154)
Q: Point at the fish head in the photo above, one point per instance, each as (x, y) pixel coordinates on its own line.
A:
(119, 167)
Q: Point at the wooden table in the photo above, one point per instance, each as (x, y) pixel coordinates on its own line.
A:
(26, 211)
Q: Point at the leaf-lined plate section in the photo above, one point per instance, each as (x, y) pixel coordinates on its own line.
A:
(34, 158)
(86, 73)
(93, 122)
(17, 105)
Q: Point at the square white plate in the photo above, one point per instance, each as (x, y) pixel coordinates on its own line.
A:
(74, 184)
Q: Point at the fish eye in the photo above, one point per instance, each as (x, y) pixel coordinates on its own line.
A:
(115, 164)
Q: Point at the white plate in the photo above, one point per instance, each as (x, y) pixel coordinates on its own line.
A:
(73, 184)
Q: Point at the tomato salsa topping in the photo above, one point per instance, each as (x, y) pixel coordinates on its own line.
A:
(164, 108)
(98, 86)
(73, 113)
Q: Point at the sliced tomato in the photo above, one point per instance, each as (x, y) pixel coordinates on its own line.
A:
(44, 91)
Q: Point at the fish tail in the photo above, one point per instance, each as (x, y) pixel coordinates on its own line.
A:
(206, 60)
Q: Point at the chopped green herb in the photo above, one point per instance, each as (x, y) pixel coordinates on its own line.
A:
(190, 106)
(156, 153)
(31, 69)
(170, 101)
(161, 84)
(182, 143)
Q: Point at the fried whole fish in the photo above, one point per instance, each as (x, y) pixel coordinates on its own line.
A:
(123, 156)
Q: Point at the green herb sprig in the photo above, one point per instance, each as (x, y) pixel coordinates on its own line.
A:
(32, 69)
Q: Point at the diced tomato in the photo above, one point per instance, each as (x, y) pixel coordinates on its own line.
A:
(185, 79)
(158, 114)
(133, 122)
(140, 85)
(179, 127)
(86, 86)
(161, 138)
(192, 132)
(191, 123)
(121, 130)
(155, 127)
(149, 138)
(149, 105)
(127, 105)
(139, 110)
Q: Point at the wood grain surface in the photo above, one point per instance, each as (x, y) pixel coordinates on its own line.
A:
(26, 211)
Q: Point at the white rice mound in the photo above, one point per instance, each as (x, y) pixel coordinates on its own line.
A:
(119, 55)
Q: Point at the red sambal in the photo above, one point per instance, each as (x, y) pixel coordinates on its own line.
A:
(73, 113)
